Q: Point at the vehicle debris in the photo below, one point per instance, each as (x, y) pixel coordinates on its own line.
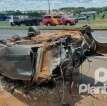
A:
(36, 57)
(55, 55)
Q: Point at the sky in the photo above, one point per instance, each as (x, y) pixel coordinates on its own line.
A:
(26, 5)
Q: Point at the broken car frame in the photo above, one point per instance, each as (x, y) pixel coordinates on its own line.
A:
(36, 57)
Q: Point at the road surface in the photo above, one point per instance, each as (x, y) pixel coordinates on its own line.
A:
(101, 36)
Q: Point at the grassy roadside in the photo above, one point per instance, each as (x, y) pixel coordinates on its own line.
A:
(97, 24)
(6, 25)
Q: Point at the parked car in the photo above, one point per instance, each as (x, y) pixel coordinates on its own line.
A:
(14, 21)
(82, 18)
(31, 22)
(49, 20)
(27, 22)
(58, 20)
(69, 21)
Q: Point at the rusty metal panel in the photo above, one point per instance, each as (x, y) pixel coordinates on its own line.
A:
(47, 60)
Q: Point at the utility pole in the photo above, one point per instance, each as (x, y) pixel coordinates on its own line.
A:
(49, 7)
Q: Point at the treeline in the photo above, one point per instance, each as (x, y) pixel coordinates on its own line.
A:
(18, 12)
(75, 10)
(78, 10)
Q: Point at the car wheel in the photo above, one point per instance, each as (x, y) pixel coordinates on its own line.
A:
(74, 23)
(12, 24)
(48, 24)
(19, 24)
(68, 24)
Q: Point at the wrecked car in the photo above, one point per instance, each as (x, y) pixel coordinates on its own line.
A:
(41, 57)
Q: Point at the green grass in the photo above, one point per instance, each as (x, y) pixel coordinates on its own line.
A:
(6, 25)
(95, 24)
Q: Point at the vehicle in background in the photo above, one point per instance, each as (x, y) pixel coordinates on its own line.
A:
(82, 17)
(49, 20)
(14, 21)
(31, 22)
(58, 20)
(69, 21)
(27, 22)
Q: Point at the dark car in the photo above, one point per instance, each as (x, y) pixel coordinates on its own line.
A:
(27, 22)
(31, 22)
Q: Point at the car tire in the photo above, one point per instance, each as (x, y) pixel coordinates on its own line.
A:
(68, 24)
(48, 24)
(12, 24)
(74, 23)
(19, 24)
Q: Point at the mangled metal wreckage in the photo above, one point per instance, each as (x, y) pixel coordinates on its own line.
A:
(39, 57)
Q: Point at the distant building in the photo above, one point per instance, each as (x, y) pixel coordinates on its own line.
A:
(88, 13)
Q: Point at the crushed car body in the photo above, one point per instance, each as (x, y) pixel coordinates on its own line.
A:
(37, 56)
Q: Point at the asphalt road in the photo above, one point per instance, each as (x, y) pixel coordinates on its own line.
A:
(100, 36)
(6, 33)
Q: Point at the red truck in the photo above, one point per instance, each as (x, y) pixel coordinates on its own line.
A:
(49, 20)
(69, 21)
(58, 20)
